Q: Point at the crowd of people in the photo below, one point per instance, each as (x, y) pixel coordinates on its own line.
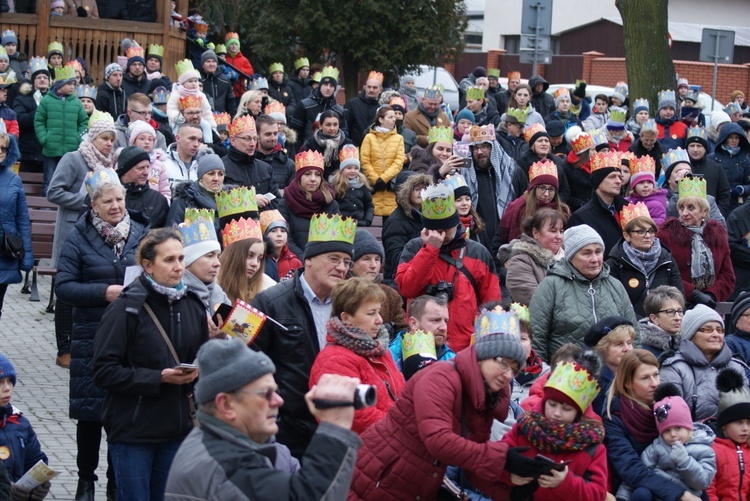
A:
(545, 262)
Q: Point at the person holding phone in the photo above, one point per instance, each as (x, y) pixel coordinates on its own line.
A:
(563, 431)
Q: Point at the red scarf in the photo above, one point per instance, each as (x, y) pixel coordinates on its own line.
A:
(295, 199)
(467, 221)
(638, 420)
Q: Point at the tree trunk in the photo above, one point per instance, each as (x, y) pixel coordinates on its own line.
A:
(349, 76)
(647, 59)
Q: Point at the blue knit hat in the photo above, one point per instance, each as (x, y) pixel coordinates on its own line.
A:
(7, 369)
(466, 114)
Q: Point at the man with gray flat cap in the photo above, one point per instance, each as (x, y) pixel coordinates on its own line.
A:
(233, 455)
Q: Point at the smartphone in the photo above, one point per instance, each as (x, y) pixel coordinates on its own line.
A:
(186, 368)
(467, 163)
(551, 463)
(223, 310)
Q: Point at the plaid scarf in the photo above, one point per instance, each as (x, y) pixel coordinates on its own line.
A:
(552, 436)
(357, 340)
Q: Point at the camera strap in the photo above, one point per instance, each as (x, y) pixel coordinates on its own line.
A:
(459, 264)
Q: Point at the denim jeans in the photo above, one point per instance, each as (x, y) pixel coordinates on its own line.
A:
(50, 164)
(141, 470)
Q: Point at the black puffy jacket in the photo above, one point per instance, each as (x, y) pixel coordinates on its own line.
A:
(244, 170)
(357, 203)
(219, 88)
(112, 101)
(282, 165)
(25, 107)
(87, 266)
(148, 202)
(360, 114)
(308, 110)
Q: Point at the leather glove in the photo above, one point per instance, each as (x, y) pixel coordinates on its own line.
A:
(703, 298)
(738, 190)
(679, 454)
(580, 90)
(518, 464)
(524, 492)
(380, 185)
(18, 493)
(40, 492)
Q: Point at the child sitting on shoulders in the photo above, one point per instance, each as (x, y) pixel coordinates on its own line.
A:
(352, 189)
(643, 184)
(186, 94)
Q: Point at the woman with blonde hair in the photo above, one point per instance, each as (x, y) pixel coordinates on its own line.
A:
(242, 273)
(251, 103)
(611, 338)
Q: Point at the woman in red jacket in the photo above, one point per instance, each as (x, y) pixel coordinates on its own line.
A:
(358, 347)
(564, 428)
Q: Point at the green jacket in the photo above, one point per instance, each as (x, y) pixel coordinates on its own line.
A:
(59, 124)
(566, 304)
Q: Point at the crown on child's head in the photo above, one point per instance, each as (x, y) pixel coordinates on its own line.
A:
(190, 101)
(240, 229)
(269, 217)
(571, 379)
(65, 73)
(642, 164)
(184, 66)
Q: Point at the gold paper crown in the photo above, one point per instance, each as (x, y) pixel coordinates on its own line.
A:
(482, 134)
(397, 101)
(86, 91)
(100, 177)
(301, 63)
(605, 161)
(617, 114)
(37, 64)
(433, 92)
(514, 75)
(531, 130)
(187, 102)
(65, 73)
(418, 343)
(309, 158)
(241, 124)
(192, 215)
(55, 47)
(642, 164)
(240, 229)
(198, 227)
(76, 65)
(330, 72)
(496, 321)
(349, 152)
(438, 202)
(674, 156)
(316, 77)
(697, 132)
(582, 142)
(375, 75)
(232, 36)
(10, 80)
(640, 103)
(134, 50)
(334, 228)
(475, 93)
(649, 126)
(521, 311)
(275, 107)
(155, 50)
(274, 67)
(493, 72)
(100, 116)
(627, 158)
(220, 49)
(238, 200)
(268, 217)
(561, 91)
(571, 379)
(222, 118)
(440, 133)
(518, 114)
(692, 186)
(184, 66)
(544, 167)
(632, 211)
(201, 27)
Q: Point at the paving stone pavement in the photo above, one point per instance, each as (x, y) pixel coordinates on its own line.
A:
(27, 336)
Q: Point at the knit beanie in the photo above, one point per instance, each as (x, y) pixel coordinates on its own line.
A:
(137, 128)
(736, 94)
(466, 114)
(129, 157)
(209, 54)
(349, 158)
(479, 71)
(7, 369)
(9, 37)
(500, 345)
(719, 117)
(188, 75)
(696, 139)
(603, 327)
(734, 397)
(695, 318)
(741, 304)
(227, 366)
(111, 68)
(578, 237)
(640, 107)
(100, 127)
(667, 103)
(365, 243)
(208, 163)
(672, 411)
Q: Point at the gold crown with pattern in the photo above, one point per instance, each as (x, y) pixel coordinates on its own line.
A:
(269, 217)
(642, 164)
(222, 118)
(433, 92)
(418, 343)
(241, 124)
(134, 50)
(440, 133)
(238, 200)
(330, 72)
(240, 229)
(521, 311)
(617, 114)
(55, 47)
(301, 63)
(632, 211)
(627, 158)
(184, 66)
(532, 130)
(376, 75)
(197, 227)
(192, 215)
(519, 114)
(482, 134)
(544, 167)
(475, 93)
(606, 160)
(514, 75)
(493, 72)
(333, 228)
(397, 101)
(309, 158)
(155, 50)
(692, 186)
(187, 102)
(438, 202)
(275, 107)
(76, 65)
(86, 91)
(582, 142)
(232, 37)
(274, 67)
(65, 73)
(100, 116)
(571, 379)
(96, 179)
(201, 27)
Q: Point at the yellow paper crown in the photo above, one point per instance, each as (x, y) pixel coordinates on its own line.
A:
(239, 200)
(309, 158)
(100, 116)
(65, 73)
(240, 229)
(134, 50)
(518, 114)
(184, 66)
(482, 134)
(334, 228)
(86, 91)
(192, 215)
(418, 343)
(376, 75)
(301, 63)
(617, 114)
(220, 49)
(438, 202)
(627, 158)
(155, 50)
(532, 130)
(544, 167)
(475, 93)
(514, 75)
(55, 47)
(272, 218)
(98, 178)
(275, 107)
(632, 211)
(274, 67)
(222, 118)
(642, 164)
(329, 72)
(440, 133)
(316, 77)
(605, 160)
(571, 379)
(187, 102)
(493, 72)
(692, 186)
(521, 311)
(241, 124)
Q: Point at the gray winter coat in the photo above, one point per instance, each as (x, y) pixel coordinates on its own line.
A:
(696, 376)
(527, 267)
(566, 304)
(211, 295)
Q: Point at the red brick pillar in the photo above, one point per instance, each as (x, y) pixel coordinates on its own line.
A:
(451, 68)
(493, 57)
(588, 57)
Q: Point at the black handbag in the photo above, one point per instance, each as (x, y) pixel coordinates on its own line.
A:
(11, 246)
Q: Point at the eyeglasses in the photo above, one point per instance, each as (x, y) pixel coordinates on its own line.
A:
(642, 233)
(143, 113)
(545, 189)
(336, 261)
(267, 394)
(670, 312)
(506, 367)
(3, 149)
(662, 412)
(708, 330)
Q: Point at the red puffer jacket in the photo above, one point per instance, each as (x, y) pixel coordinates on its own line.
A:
(405, 454)
(587, 474)
(380, 372)
(729, 483)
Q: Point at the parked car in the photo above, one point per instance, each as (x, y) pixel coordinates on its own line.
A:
(427, 76)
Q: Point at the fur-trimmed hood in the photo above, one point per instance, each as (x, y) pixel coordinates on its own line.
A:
(529, 246)
(291, 135)
(714, 233)
(656, 337)
(421, 160)
(405, 189)
(13, 153)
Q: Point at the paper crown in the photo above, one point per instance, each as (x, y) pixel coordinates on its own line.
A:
(155, 50)
(455, 182)
(100, 116)
(330, 72)
(674, 156)
(3, 52)
(269, 217)
(348, 152)
(482, 134)
(571, 379)
(86, 91)
(440, 133)
(582, 142)
(232, 37)
(96, 179)
(626, 158)
(496, 321)
(316, 76)
(599, 136)
(682, 82)
(237, 201)
(65, 73)
(544, 167)
(632, 211)
(192, 215)
(649, 126)
(184, 66)
(433, 92)
(160, 95)
(201, 27)
(666, 95)
(397, 101)
(642, 164)
(514, 75)
(692, 186)
(240, 229)
(241, 124)
(55, 47)
(617, 114)
(521, 311)
(561, 91)
(333, 228)
(475, 93)
(258, 84)
(275, 107)
(301, 63)
(134, 50)
(37, 64)
(76, 65)
(274, 67)
(187, 102)
(438, 202)
(9, 33)
(197, 227)
(621, 88)
(640, 103)
(418, 343)
(693, 95)
(376, 75)
(697, 132)
(518, 114)
(10, 79)
(532, 130)
(732, 108)
(220, 49)
(604, 161)
(493, 72)
(309, 158)
(222, 118)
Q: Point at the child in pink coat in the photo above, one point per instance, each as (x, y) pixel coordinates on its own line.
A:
(643, 183)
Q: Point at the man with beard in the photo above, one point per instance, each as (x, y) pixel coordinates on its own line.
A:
(428, 114)
(110, 96)
(717, 183)
(321, 99)
(216, 85)
(135, 79)
(154, 61)
(272, 153)
(360, 111)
